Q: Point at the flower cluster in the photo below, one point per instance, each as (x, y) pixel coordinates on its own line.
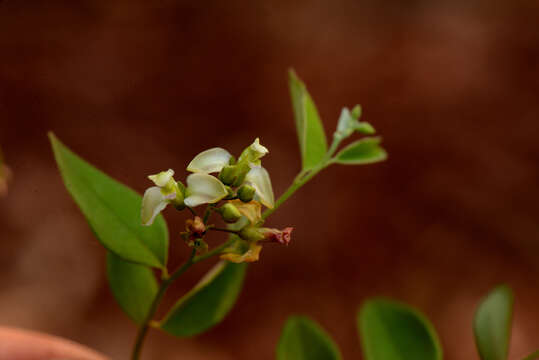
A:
(244, 186)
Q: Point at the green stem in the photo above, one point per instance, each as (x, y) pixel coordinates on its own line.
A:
(215, 251)
(303, 177)
(207, 213)
(222, 229)
(143, 330)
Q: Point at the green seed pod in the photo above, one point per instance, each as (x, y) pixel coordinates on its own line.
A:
(228, 174)
(230, 213)
(246, 193)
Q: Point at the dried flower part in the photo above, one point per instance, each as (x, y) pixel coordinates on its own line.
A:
(282, 237)
(251, 210)
(251, 255)
(209, 161)
(195, 227)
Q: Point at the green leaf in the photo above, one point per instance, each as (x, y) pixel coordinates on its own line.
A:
(394, 331)
(208, 302)
(134, 286)
(532, 356)
(303, 339)
(364, 151)
(311, 135)
(492, 324)
(112, 210)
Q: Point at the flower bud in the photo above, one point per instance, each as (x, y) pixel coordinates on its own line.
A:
(246, 193)
(364, 127)
(228, 174)
(195, 227)
(230, 213)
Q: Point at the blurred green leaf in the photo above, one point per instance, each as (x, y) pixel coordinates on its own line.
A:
(208, 302)
(394, 331)
(532, 356)
(112, 210)
(364, 151)
(303, 339)
(492, 324)
(311, 135)
(134, 286)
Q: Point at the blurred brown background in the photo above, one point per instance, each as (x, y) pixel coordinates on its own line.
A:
(136, 87)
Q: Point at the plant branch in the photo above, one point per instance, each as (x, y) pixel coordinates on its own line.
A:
(213, 252)
(222, 229)
(167, 281)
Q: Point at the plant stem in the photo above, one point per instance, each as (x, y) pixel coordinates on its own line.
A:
(213, 252)
(207, 213)
(143, 330)
(303, 177)
(167, 281)
(223, 230)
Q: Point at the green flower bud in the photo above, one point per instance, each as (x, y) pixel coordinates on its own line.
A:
(356, 112)
(243, 169)
(246, 193)
(229, 213)
(365, 128)
(228, 174)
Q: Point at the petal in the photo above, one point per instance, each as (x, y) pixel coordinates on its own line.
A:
(259, 149)
(250, 255)
(251, 210)
(209, 161)
(253, 153)
(153, 203)
(204, 189)
(162, 178)
(259, 178)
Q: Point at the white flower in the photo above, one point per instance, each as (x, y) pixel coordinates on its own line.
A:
(213, 160)
(204, 189)
(259, 178)
(156, 198)
(209, 161)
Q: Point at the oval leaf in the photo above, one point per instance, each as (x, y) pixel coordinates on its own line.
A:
(303, 339)
(394, 331)
(134, 286)
(208, 302)
(364, 151)
(112, 210)
(492, 324)
(311, 135)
